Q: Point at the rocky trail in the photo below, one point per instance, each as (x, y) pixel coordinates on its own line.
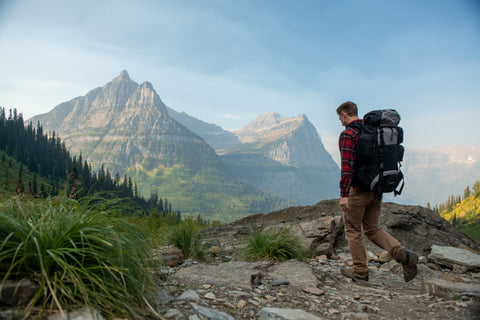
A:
(316, 290)
(446, 287)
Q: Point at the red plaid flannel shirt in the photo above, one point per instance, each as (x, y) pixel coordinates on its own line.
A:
(348, 149)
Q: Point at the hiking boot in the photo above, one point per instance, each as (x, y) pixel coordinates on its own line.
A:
(409, 265)
(349, 273)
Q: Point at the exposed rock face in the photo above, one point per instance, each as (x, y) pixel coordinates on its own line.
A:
(121, 124)
(284, 156)
(321, 228)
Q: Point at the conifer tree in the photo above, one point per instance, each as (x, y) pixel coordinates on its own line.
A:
(467, 193)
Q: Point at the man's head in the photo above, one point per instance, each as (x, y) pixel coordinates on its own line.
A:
(347, 112)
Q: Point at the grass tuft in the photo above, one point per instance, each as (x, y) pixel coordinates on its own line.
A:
(80, 255)
(276, 245)
(186, 237)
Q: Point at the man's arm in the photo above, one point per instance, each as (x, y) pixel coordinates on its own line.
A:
(347, 146)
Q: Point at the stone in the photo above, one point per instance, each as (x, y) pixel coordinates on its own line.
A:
(171, 256)
(449, 289)
(284, 313)
(241, 304)
(355, 315)
(189, 295)
(80, 314)
(323, 257)
(280, 282)
(452, 256)
(17, 293)
(172, 314)
(210, 296)
(314, 290)
(164, 296)
(211, 314)
(384, 257)
(215, 251)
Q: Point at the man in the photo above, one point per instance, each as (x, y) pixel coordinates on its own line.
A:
(362, 207)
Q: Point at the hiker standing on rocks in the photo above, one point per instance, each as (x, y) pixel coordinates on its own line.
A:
(362, 207)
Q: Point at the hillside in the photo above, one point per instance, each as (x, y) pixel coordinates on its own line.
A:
(465, 216)
(126, 126)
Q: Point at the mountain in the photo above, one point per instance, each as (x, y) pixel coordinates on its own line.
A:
(284, 156)
(214, 135)
(432, 175)
(126, 127)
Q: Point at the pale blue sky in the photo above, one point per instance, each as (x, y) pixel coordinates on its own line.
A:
(226, 62)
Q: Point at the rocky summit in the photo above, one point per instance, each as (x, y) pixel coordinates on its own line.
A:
(284, 156)
(121, 124)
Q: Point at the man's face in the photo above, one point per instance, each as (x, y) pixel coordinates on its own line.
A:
(343, 117)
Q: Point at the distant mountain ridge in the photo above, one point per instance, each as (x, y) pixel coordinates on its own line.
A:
(126, 127)
(277, 154)
(432, 175)
(284, 156)
(214, 135)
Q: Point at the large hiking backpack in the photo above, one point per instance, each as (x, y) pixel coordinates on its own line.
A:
(379, 153)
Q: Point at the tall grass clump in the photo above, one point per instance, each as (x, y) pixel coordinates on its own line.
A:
(80, 255)
(275, 245)
(186, 237)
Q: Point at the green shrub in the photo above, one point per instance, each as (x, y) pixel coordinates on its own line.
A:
(280, 245)
(186, 237)
(78, 254)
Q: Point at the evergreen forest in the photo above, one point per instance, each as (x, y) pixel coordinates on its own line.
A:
(38, 164)
(463, 212)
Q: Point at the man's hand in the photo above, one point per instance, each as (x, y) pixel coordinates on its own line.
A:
(344, 204)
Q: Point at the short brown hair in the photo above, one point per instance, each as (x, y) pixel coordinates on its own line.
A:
(349, 107)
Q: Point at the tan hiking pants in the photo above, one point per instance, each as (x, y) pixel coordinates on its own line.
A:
(365, 211)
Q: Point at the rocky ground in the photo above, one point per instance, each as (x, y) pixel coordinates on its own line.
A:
(316, 290)
(228, 288)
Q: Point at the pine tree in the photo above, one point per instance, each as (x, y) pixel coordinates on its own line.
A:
(476, 189)
(20, 189)
(467, 193)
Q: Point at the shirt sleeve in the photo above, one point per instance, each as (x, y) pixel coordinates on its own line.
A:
(347, 148)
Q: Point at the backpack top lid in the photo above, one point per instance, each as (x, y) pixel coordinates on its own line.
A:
(382, 118)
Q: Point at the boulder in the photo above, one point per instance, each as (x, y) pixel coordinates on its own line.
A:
(320, 226)
(455, 258)
(446, 289)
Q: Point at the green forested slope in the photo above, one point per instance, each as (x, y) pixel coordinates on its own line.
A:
(465, 215)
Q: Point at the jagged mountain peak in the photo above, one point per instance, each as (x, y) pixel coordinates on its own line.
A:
(270, 126)
(123, 75)
(147, 85)
(116, 103)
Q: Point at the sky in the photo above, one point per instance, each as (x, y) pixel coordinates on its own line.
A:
(228, 61)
